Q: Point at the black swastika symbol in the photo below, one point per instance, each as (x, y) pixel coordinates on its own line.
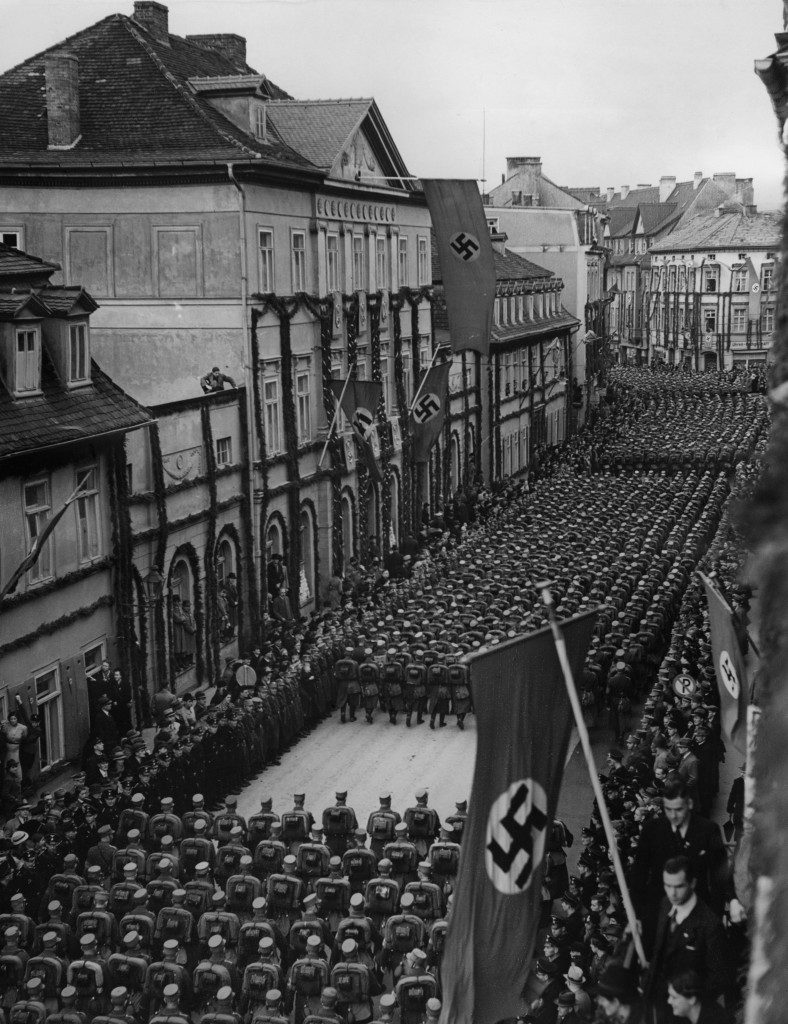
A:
(730, 676)
(362, 421)
(465, 246)
(521, 836)
(427, 407)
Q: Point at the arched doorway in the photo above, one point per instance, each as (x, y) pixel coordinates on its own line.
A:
(182, 625)
(225, 564)
(394, 510)
(304, 601)
(275, 556)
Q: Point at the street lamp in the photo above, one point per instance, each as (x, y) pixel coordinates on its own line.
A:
(154, 588)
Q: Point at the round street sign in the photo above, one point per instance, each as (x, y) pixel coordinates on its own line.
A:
(246, 676)
(684, 685)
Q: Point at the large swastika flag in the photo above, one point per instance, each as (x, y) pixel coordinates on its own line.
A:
(466, 257)
(429, 412)
(524, 721)
(359, 400)
(729, 666)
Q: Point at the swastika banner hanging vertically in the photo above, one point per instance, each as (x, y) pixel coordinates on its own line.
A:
(429, 412)
(729, 666)
(360, 405)
(524, 721)
(466, 258)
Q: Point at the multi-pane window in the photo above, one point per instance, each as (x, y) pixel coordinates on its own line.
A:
(88, 514)
(298, 260)
(303, 409)
(710, 279)
(259, 122)
(407, 376)
(359, 276)
(332, 262)
(224, 451)
(739, 280)
(266, 248)
(767, 276)
(380, 262)
(710, 320)
(50, 709)
(28, 361)
(37, 512)
(78, 352)
(739, 319)
(273, 430)
(423, 261)
(767, 319)
(402, 256)
(672, 274)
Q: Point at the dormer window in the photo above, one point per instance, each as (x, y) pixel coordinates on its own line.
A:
(28, 360)
(78, 355)
(260, 123)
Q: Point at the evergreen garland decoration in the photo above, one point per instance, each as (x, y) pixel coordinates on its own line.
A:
(57, 583)
(406, 499)
(362, 474)
(48, 628)
(159, 490)
(213, 659)
(307, 503)
(142, 695)
(384, 434)
(466, 426)
(123, 544)
(477, 446)
(247, 581)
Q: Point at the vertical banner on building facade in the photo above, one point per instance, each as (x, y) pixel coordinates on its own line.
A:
(429, 411)
(466, 257)
(729, 666)
(524, 720)
(359, 401)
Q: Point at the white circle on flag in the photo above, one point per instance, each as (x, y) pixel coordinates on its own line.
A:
(465, 246)
(729, 675)
(516, 835)
(427, 408)
(362, 421)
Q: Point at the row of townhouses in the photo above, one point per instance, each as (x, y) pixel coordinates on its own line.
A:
(166, 209)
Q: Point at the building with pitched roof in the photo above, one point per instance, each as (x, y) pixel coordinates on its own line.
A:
(520, 398)
(635, 219)
(64, 425)
(561, 232)
(220, 222)
(711, 294)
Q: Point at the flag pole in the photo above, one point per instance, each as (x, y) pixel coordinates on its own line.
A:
(423, 379)
(560, 646)
(334, 420)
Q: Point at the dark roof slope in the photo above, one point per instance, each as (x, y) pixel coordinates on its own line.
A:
(509, 266)
(15, 263)
(317, 129)
(733, 230)
(135, 103)
(63, 416)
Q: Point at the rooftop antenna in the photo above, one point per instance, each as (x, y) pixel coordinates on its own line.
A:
(484, 148)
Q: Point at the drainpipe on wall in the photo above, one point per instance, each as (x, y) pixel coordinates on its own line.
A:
(249, 385)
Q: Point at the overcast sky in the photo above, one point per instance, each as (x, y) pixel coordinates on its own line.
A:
(606, 92)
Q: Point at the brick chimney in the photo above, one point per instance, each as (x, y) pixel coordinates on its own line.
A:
(154, 19)
(727, 181)
(744, 191)
(697, 179)
(229, 45)
(666, 185)
(61, 73)
(528, 170)
(624, 191)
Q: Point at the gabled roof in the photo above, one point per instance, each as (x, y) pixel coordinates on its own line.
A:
(654, 215)
(734, 230)
(49, 300)
(550, 195)
(509, 266)
(318, 129)
(135, 104)
(62, 416)
(622, 221)
(14, 264)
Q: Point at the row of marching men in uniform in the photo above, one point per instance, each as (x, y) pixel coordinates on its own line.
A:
(417, 683)
(294, 919)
